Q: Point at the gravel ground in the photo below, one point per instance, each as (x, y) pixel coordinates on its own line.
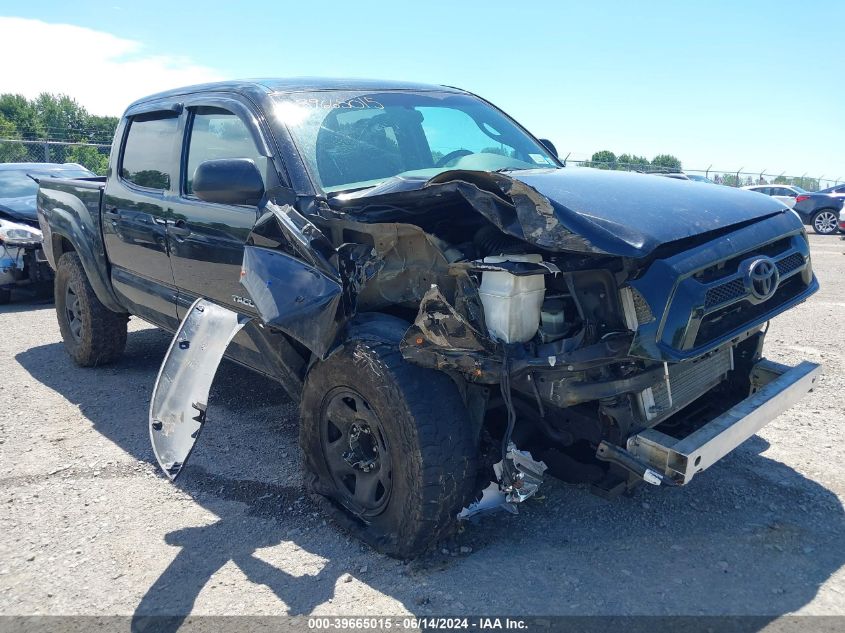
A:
(88, 525)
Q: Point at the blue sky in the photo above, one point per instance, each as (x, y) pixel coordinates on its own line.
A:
(752, 84)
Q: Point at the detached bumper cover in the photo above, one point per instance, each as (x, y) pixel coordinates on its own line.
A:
(775, 389)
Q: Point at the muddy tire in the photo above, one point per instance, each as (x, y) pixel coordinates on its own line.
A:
(93, 334)
(387, 445)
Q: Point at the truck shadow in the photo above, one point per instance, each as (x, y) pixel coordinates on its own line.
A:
(750, 536)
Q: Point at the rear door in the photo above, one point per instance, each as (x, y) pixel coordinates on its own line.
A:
(136, 211)
(207, 239)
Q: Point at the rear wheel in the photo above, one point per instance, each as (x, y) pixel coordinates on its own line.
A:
(825, 222)
(387, 445)
(93, 334)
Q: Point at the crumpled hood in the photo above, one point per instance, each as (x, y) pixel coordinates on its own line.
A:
(22, 208)
(631, 214)
(574, 209)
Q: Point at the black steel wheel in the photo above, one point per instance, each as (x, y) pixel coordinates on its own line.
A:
(356, 451)
(73, 312)
(388, 446)
(93, 334)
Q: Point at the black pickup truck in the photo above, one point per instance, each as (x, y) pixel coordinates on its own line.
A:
(455, 310)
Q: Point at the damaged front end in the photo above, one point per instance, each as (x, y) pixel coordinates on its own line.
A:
(611, 350)
(588, 333)
(22, 261)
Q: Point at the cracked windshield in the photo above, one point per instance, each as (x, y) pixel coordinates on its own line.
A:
(358, 140)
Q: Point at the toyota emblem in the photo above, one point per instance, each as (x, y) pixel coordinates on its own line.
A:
(761, 278)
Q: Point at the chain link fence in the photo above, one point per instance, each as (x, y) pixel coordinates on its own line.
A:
(731, 178)
(95, 156)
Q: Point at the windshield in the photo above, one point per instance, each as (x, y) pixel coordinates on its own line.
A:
(352, 140)
(799, 189)
(16, 183)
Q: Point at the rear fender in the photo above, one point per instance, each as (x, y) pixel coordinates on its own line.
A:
(62, 214)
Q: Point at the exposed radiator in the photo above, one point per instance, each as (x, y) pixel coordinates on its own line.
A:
(687, 381)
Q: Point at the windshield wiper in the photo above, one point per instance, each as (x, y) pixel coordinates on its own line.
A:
(334, 194)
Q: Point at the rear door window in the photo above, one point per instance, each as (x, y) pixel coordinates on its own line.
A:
(148, 152)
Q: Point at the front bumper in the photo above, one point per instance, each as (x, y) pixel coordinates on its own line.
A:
(775, 388)
(23, 264)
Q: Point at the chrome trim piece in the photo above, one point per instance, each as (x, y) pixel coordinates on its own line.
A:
(180, 395)
(775, 388)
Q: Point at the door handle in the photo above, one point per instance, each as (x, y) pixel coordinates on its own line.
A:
(111, 214)
(179, 229)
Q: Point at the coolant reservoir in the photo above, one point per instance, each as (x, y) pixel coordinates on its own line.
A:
(512, 303)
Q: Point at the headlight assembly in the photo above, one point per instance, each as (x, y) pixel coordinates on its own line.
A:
(12, 233)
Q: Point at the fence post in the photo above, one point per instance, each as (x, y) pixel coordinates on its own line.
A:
(46, 151)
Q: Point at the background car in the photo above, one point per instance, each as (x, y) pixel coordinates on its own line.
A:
(22, 260)
(785, 193)
(819, 210)
(837, 191)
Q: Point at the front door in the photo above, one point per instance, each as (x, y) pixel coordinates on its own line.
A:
(207, 239)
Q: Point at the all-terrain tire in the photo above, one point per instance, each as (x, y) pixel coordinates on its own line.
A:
(98, 335)
(430, 449)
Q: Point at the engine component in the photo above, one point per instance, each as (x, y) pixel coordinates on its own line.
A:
(511, 302)
(552, 320)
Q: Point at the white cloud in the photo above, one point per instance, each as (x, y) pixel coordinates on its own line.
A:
(101, 71)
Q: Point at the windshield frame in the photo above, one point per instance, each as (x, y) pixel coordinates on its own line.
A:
(306, 165)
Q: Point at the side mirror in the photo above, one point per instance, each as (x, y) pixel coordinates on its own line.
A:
(549, 146)
(228, 181)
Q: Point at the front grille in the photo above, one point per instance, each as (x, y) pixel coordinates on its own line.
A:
(643, 312)
(732, 317)
(687, 381)
(729, 291)
(790, 263)
(728, 267)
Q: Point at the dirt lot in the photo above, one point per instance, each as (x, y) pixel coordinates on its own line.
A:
(88, 525)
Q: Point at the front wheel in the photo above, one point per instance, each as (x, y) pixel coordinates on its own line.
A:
(93, 334)
(825, 222)
(388, 445)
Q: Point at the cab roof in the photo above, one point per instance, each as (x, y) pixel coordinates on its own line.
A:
(297, 84)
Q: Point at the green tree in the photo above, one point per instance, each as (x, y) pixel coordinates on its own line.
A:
(22, 114)
(666, 161)
(62, 117)
(88, 156)
(604, 159)
(10, 151)
(101, 128)
(632, 162)
(54, 117)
